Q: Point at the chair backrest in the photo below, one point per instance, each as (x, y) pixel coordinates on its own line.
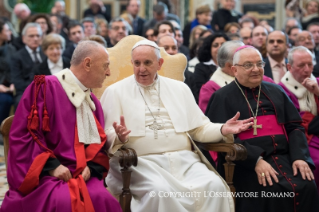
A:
(5, 130)
(121, 66)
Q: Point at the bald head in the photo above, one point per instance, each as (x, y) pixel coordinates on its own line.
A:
(90, 63)
(22, 11)
(305, 39)
(168, 43)
(85, 49)
(277, 45)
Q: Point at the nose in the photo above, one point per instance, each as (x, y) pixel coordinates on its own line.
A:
(108, 72)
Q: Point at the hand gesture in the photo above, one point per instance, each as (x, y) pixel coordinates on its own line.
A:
(61, 172)
(235, 126)
(86, 173)
(311, 86)
(121, 130)
(265, 172)
(303, 168)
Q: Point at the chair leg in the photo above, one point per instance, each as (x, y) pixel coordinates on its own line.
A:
(229, 173)
(126, 196)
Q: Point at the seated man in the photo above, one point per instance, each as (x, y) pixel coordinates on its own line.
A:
(277, 171)
(223, 75)
(56, 158)
(302, 88)
(162, 116)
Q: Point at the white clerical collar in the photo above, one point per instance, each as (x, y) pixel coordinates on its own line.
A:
(211, 62)
(30, 51)
(221, 78)
(78, 82)
(293, 85)
(148, 86)
(59, 64)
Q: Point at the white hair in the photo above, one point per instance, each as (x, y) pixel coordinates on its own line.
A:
(299, 49)
(30, 25)
(236, 57)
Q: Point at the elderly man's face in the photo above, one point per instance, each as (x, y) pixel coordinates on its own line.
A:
(169, 44)
(305, 39)
(259, 36)
(276, 44)
(249, 77)
(302, 66)
(32, 38)
(117, 32)
(145, 64)
(294, 33)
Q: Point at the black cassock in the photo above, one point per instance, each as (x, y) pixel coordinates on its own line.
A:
(275, 149)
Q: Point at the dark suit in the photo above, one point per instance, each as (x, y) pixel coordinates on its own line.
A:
(201, 75)
(267, 68)
(68, 52)
(43, 68)
(22, 71)
(140, 25)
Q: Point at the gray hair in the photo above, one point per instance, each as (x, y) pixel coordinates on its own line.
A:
(226, 52)
(118, 19)
(156, 51)
(30, 25)
(288, 19)
(85, 48)
(298, 49)
(237, 54)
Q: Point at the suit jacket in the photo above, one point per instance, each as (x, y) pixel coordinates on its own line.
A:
(267, 68)
(68, 52)
(140, 25)
(22, 70)
(43, 68)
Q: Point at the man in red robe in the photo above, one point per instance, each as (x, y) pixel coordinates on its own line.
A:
(56, 158)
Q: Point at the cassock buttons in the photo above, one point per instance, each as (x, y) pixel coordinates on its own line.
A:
(280, 166)
(63, 77)
(297, 203)
(295, 185)
(73, 94)
(276, 158)
(296, 87)
(297, 194)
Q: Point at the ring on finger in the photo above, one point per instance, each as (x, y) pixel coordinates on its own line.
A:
(263, 174)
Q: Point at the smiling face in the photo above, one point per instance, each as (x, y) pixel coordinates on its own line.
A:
(145, 64)
(249, 78)
(54, 52)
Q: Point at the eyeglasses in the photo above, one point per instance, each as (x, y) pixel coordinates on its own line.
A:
(117, 28)
(249, 66)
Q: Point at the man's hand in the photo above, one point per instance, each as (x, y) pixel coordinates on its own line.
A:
(311, 86)
(304, 169)
(86, 173)
(61, 172)
(235, 126)
(264, 172)
(121, 130)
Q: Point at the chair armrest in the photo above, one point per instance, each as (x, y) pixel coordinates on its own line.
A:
(233, 151)
(128, 158)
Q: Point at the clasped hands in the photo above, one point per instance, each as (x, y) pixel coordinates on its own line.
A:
(63, 173)
(266, 173)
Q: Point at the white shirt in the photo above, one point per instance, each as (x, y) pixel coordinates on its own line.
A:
(55, 67)
(30, 51)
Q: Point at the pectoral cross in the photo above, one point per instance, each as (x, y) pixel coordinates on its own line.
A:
(155, 126)
(255, 126)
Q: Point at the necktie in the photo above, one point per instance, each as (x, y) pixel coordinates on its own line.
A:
(36, 59)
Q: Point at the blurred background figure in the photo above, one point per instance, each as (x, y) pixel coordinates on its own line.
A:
(88, 26)
(52, 46)
(97, 7)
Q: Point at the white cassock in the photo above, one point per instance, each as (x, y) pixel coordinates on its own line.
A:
(172, 162)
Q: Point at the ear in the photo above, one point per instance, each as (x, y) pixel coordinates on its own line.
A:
(87, 63)
(288, 66)
(234, 70)
(160, 63)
